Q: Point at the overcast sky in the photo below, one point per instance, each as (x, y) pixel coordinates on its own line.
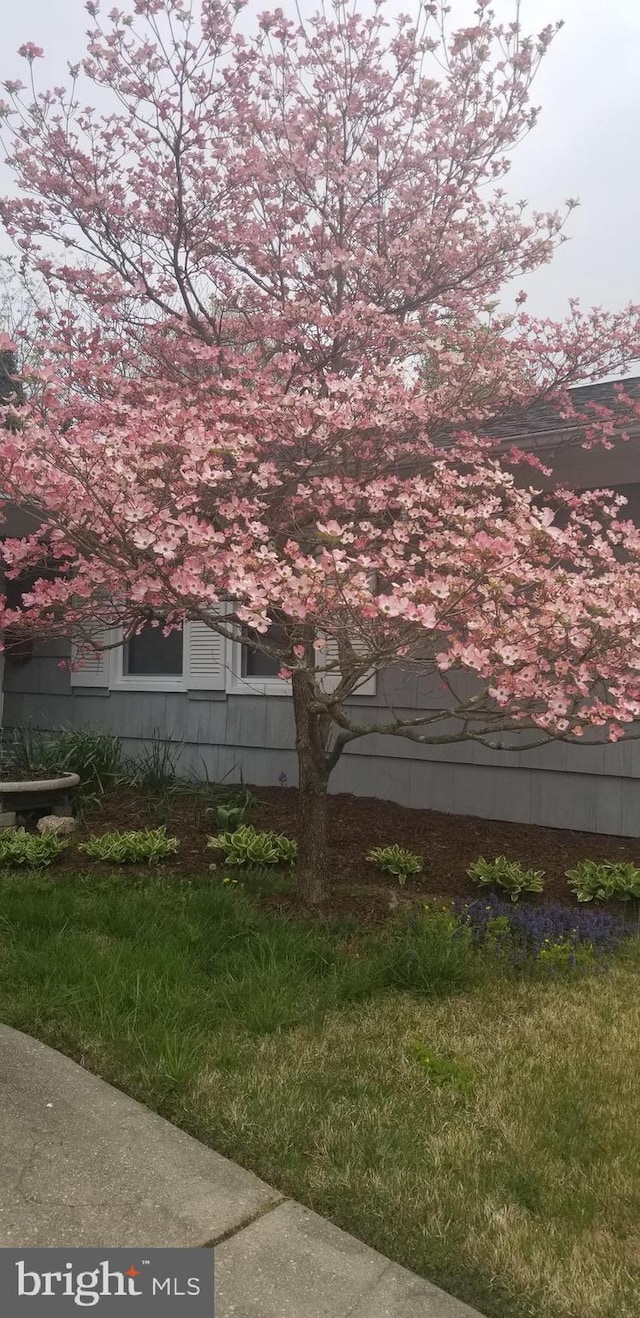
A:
(586, 143)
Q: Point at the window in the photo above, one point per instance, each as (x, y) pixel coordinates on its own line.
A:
(191, 659)
(152, 654)
(149, 661)
(18, 647)
(254, 673)
(255, 663)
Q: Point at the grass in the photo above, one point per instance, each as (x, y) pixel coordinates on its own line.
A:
(484, 1131)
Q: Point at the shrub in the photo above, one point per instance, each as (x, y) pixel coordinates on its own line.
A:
(395, 860)
(428, 951)
(149, 844)
(604, 880)
(17, 847)
(246, 846)
(558, 937)
(507, 874)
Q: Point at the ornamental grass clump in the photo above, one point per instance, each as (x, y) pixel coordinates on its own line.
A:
(95, 756)
(132, 847)
(395, 860)
(509, 875)
(17, 847)
(605, 880)
(428, 951)
(247, 846)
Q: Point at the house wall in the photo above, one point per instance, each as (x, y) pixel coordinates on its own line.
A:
(593, 787)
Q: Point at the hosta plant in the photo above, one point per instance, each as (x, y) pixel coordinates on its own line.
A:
(246, 846)
(17, 847)
(229, 813)
(604, 880)
(509, 875)
(135, 845)
(395, 860)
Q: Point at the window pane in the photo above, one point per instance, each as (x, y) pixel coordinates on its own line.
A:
(260, 665)
(256, 664)
(150, 653)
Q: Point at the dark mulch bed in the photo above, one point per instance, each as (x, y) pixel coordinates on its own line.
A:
(448, 843)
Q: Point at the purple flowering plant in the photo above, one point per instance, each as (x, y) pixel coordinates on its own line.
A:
(555, 937)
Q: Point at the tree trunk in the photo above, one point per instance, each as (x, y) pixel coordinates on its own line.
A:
(312, 728)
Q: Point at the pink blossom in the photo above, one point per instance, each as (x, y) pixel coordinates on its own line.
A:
(30, 51)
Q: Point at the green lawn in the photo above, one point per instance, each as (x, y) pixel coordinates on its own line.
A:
(507, 1168)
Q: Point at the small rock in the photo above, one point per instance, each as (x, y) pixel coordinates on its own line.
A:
(61, 825)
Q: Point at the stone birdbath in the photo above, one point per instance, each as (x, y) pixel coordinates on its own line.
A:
(31, 796)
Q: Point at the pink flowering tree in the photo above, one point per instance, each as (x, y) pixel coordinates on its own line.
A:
(271, 363)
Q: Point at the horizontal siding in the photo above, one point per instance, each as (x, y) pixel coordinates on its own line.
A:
(251, 738)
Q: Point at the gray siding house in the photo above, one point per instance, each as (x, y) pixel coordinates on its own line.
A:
(232, 718)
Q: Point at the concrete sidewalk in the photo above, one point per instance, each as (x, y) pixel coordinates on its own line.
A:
(82, 1164)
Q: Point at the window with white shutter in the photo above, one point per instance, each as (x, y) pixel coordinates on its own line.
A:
(191, 659)
(209, 662)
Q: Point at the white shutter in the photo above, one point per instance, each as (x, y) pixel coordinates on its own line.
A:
(205, 657)
(330, 681)
(96, 664)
